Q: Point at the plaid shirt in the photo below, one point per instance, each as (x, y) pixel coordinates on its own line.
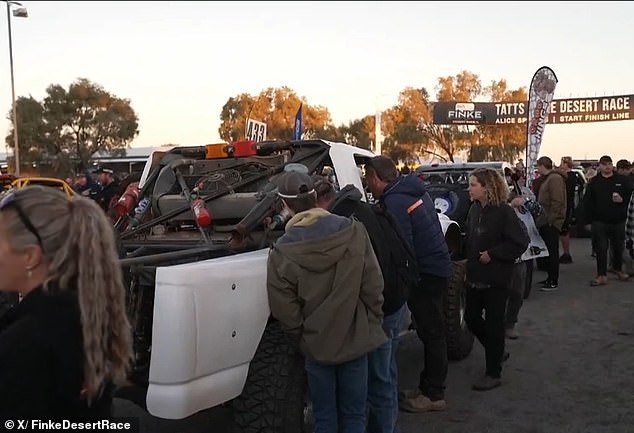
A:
(629, 223)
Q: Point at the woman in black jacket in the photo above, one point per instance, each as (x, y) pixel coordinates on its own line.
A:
(68, 340)
(495, 239)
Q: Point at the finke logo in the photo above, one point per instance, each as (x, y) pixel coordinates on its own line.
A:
(465, 111)
(465, 106)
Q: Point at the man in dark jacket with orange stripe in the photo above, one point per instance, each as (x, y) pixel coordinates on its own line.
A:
(412, 206)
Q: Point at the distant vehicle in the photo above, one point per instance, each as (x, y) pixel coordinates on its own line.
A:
(447, 184)
(457, 172)
(52, 182)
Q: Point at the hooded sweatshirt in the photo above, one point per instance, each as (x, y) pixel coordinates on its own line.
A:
(325, 286)
(419, 223)
(599, 205)
(552, 197)
(497, 230)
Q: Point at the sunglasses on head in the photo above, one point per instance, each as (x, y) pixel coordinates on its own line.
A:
(9, 201)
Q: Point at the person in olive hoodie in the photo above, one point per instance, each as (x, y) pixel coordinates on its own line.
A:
(495, 240)
(382, 363)
(325, 288)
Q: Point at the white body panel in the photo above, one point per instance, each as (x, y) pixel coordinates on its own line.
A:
(209, 317)
(342, 156)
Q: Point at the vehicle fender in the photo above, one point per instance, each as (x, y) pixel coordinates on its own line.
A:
(209, 317)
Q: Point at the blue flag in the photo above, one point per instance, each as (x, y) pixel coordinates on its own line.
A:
(298, 123)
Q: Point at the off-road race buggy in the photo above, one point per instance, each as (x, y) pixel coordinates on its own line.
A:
(194, 239)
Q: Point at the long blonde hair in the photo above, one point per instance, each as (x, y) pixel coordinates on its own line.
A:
(79, 247)
(495, 184)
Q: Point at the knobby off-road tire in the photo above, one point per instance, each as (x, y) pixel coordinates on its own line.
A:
(457, 195)
(273, 397)
(459, 338)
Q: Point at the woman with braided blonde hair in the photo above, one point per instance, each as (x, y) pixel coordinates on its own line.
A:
(68, 341)
(495, 240)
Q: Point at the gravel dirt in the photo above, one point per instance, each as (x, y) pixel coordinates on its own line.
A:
(571, 370)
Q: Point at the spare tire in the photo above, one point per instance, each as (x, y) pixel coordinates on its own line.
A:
(459, 337)
(455, 197)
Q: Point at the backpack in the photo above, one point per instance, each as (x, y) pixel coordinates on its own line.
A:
(400, 270)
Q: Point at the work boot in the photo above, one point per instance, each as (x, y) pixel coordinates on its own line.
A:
(486, 383)
(422, 403)
(511, 332)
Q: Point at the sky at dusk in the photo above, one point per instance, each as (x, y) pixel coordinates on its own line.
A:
(179, 62)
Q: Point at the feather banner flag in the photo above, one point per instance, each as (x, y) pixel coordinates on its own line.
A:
(540, 96)
(298, 123)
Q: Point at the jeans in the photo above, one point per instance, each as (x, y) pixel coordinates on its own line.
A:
(383, 378)
(612, 235)
(516, 293)
(339, 394)
(489, 330)
(426, 305)
(550, 234)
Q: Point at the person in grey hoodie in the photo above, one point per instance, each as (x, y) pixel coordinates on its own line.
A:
(325, 288)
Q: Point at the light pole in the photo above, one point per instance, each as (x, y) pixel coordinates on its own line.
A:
(19, 12)
(378, 132)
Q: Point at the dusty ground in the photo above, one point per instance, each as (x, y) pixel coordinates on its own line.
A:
(572, 370)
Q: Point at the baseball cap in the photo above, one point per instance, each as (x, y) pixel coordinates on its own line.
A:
(294, 184)
(104, 170)
(605, 159)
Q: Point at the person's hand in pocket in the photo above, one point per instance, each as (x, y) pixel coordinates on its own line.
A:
(485, 259)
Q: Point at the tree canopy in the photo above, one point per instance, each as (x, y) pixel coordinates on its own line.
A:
(409, 133)
(68, 126)
(277, 108)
